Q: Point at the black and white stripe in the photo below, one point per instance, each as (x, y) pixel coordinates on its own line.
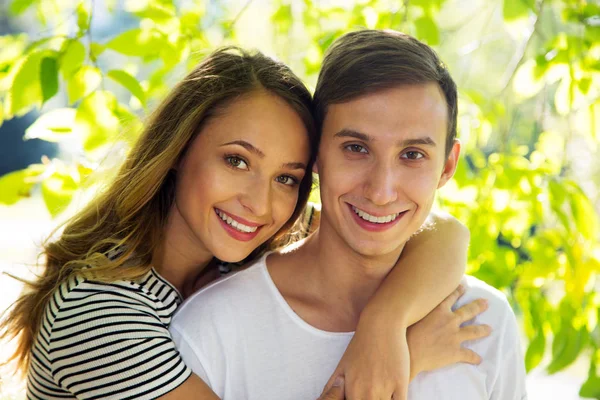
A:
(107, 341)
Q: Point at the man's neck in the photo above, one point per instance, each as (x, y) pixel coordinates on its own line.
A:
(337, 281)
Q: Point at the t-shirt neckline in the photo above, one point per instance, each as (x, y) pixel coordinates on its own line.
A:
(288, 309)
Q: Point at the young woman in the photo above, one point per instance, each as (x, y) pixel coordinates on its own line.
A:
(220, 171)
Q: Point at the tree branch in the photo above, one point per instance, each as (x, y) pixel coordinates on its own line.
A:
(237, 17)
(510, 72)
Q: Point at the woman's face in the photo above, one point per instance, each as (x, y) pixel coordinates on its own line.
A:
(237, 185)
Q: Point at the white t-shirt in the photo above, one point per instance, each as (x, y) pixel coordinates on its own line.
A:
(242, 338)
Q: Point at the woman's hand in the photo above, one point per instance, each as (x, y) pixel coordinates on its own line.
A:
(378, 363)
(435, 341)
(335, 392)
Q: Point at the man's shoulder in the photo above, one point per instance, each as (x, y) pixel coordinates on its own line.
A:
(476, 288)
(234, 290)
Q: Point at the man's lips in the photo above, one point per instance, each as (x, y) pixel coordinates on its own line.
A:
(375, 223)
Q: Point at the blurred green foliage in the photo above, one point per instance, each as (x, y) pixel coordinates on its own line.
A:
(534, 230)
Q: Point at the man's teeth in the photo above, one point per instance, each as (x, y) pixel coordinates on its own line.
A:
(374, 219)
(240, 227)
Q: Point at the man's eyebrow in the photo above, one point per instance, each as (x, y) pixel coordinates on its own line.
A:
(353, 134)
(247, 146)
(425, 140)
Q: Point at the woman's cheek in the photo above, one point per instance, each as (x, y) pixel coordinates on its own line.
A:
(287, 205)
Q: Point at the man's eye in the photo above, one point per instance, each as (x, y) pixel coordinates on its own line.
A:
(356, 148)
(287, 180)
(236, 162)
(413, 155)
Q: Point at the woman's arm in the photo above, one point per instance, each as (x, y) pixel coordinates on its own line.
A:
(430, 268)
(195, 388)
(192, 388)
(377, 361)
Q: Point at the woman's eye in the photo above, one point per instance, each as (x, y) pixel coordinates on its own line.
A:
(236, 162)
(356, 148)
(413, 155)
(287, 180)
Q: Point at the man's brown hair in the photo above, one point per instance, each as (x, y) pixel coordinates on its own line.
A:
(367, 61)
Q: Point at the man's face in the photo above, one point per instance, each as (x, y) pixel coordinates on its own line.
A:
(381, 159)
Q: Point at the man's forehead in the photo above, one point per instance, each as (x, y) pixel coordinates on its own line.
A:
(413, 110)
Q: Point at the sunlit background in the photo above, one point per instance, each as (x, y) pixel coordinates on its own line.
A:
(77, 79)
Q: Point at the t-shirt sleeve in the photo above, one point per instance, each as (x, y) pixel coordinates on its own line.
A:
(107, 345)
(510, 377)
(189, 355)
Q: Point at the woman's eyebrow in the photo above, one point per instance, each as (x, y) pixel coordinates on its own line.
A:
(248, 146)
(294, 165)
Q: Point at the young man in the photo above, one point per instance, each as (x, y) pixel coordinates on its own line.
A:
(387, 110)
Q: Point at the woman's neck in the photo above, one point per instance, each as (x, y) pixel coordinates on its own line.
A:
(180, 258)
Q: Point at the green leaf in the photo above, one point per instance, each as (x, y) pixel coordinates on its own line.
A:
(96, 49)
(26, 90)
(525, 83)
(95, 120)
(72, 58)
(585, 84)
(591, 387)
(137, 42)
(52, 126)
(156, 12)
(83, 16)
(515, 9)
(282, 18)
(83, 82)
(129, 82)
(566, 346)
(427, 30)
(18, 184)
(49, 77)
(584, 215)
(57, 191)
(535, 351)
(18, 7)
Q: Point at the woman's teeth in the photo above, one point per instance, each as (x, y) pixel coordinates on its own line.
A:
(231, 222)
(374, 219)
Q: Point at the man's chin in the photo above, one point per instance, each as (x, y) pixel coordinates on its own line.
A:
(376, 249)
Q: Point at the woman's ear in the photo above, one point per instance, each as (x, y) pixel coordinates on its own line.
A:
(315, 168)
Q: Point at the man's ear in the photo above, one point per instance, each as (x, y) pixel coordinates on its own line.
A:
(451, 163)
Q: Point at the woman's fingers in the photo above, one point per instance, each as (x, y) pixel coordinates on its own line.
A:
(469, 356)
(454, 296)
(474, 332)
(335, 392)
(471, 310)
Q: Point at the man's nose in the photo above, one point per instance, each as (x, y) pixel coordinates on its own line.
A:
(381, 187)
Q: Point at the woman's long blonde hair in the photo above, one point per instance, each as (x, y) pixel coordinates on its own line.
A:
(130, 214)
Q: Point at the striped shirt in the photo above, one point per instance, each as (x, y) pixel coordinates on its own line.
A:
(107, 341)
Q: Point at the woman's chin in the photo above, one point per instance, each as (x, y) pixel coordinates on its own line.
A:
(232, 257)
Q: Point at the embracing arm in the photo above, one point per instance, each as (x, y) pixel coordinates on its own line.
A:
(376, 364)
(192, 388)
(431, 267)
